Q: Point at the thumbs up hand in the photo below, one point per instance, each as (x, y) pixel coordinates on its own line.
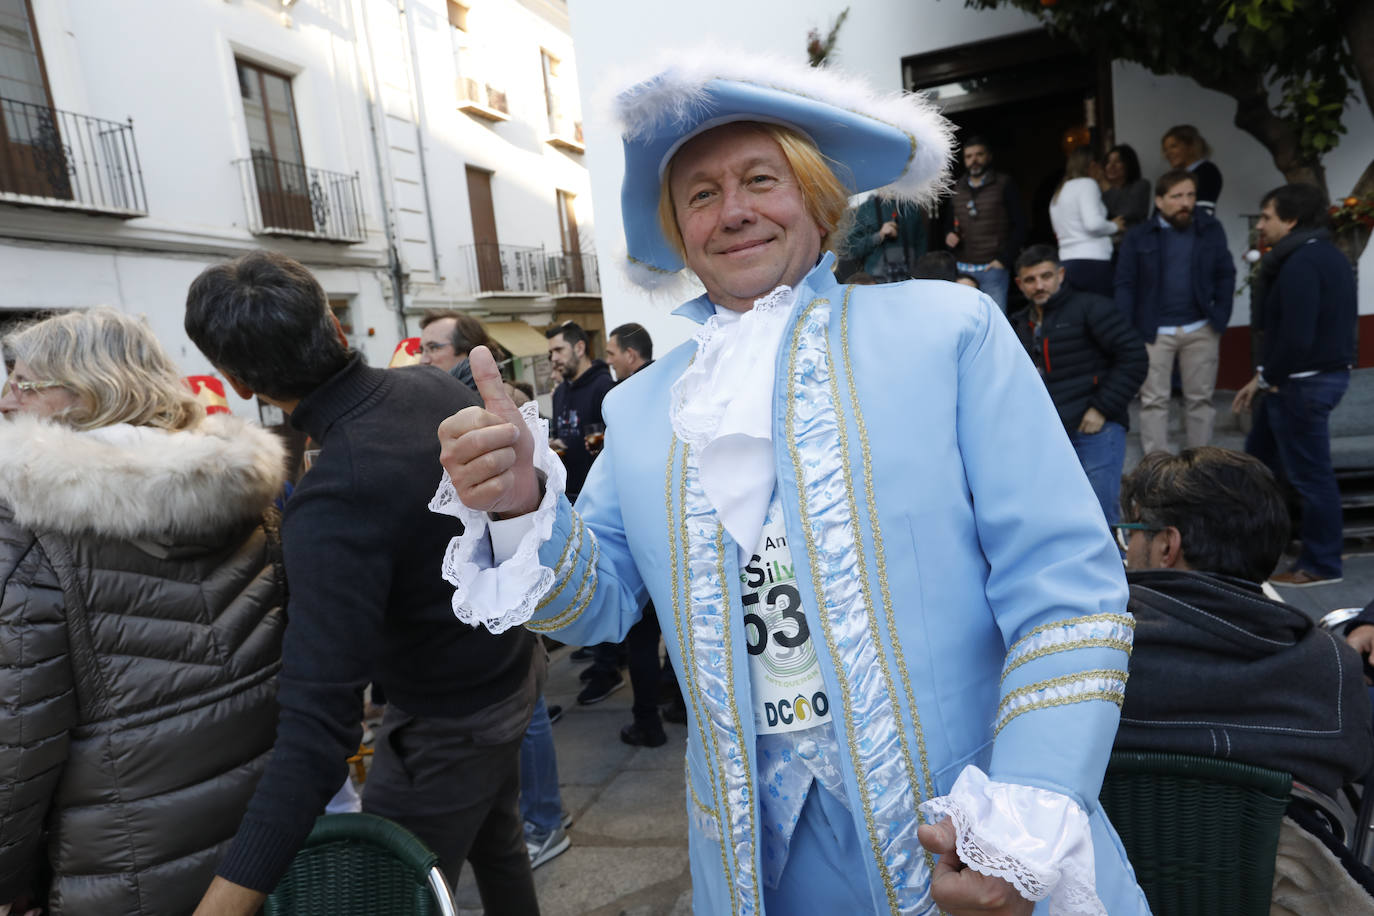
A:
(489, 453)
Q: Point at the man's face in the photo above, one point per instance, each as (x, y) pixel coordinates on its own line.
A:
(1176, 205)
(976, 160)
(623, 361)
(1138, 552)
(1271, 227)
(742, 217)
(436, 345)
(565, 356)
(1040, 281)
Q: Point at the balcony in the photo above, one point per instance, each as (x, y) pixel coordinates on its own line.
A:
(65, 161)
(482, 100)
(493, 268)
(566, 134)
(573, 274)
(289, 199)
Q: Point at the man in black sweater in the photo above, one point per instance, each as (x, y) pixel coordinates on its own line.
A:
(1305, 302)
(363, 558)
(1092, 362)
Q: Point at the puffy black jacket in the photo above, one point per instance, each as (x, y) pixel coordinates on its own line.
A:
(1087, 353)
(140, 637)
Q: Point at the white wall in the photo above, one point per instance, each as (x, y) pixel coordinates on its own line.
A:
(873, 40)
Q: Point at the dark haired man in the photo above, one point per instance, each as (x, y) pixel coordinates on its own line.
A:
(629, 348)
(1205, 528)
(361, 550)
(446, 339)
(1175, 281)
(576, 405)
(1304, 300)
(985, 221)
(1220, 670)
(1091, 361)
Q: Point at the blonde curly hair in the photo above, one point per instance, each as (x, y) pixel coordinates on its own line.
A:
(114, 365)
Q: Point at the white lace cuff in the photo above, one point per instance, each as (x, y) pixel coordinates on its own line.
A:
(1037, 840)
(501, 595)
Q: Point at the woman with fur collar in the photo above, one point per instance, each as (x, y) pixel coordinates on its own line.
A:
(140, 621)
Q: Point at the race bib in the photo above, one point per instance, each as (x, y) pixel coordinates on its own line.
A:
(784, 674)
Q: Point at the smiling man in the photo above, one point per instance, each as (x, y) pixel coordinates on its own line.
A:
(878, 629)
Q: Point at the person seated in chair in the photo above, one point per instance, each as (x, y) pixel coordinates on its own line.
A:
(1220, 670)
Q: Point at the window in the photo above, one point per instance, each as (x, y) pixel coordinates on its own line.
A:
(269, 112)
(458, 16)
(32, 157)
(552, 91)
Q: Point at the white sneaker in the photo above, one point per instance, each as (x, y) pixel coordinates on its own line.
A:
(544, 846)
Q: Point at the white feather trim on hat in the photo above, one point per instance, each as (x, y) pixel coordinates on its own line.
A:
(678, 79)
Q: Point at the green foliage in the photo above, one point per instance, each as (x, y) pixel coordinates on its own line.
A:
(1295, 48)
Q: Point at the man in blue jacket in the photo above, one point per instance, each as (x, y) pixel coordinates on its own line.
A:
(1305, 293)
(890, 648)
(1174, 282)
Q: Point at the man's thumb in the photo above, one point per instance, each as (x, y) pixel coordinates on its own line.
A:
(490, 386)
(938, 838)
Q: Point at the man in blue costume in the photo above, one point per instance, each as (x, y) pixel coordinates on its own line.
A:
(877, 627)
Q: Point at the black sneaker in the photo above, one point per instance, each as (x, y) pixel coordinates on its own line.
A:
(555, 713)
(586, 673)
(675, 712)
(598, 688)
(643, 736)
(581, 655)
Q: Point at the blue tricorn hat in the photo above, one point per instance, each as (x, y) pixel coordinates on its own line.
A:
(895, 143)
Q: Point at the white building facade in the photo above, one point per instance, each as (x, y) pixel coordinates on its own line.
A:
(339, 132)
(876, 39)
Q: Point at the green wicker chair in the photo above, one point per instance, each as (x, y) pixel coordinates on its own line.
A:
(361, 864)
(1201, 833)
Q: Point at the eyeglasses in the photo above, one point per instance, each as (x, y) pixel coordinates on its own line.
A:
(24, 388)
(1124, 529)
(433, 346)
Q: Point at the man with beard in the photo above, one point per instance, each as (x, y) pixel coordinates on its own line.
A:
(1175, 281)
(1091, 361)
(985, 222)
(1305, 304)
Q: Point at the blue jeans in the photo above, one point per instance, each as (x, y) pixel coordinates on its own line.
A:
(994, 282)
(541, 804)
(1102, 455)
(1292, 435)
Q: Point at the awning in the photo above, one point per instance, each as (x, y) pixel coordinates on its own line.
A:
(518, 338)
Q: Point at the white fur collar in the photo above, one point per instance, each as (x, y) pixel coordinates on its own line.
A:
(137, 482)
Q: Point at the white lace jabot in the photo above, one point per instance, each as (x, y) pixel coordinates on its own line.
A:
(722, 407)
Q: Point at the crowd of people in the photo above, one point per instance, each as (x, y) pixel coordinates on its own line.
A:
(763, 525)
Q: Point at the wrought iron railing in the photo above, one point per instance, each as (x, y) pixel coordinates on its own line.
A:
(287, 198)
(55, 158)
(573, 272)
(494, 268)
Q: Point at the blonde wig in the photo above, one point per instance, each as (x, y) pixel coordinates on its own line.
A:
(114, 365)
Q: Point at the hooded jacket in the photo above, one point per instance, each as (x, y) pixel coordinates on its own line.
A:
(1219, 670)
(140, 637)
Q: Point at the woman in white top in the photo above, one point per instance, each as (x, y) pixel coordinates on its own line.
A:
(1081, 225)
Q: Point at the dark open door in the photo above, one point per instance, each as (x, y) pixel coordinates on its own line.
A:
(572, 244)
(33, 159)
(487, 248)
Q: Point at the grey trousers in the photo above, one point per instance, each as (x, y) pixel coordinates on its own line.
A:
(455, 783)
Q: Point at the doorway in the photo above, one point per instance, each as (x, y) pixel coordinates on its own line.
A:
(1024, 94)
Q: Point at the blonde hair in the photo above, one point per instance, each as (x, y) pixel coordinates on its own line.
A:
(823, 194)
(114, 365)
(1077, 165)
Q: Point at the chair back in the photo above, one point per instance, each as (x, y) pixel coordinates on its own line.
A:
(1201, 833)
(361, 864)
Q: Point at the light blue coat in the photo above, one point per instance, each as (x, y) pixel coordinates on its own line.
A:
(970, 600)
